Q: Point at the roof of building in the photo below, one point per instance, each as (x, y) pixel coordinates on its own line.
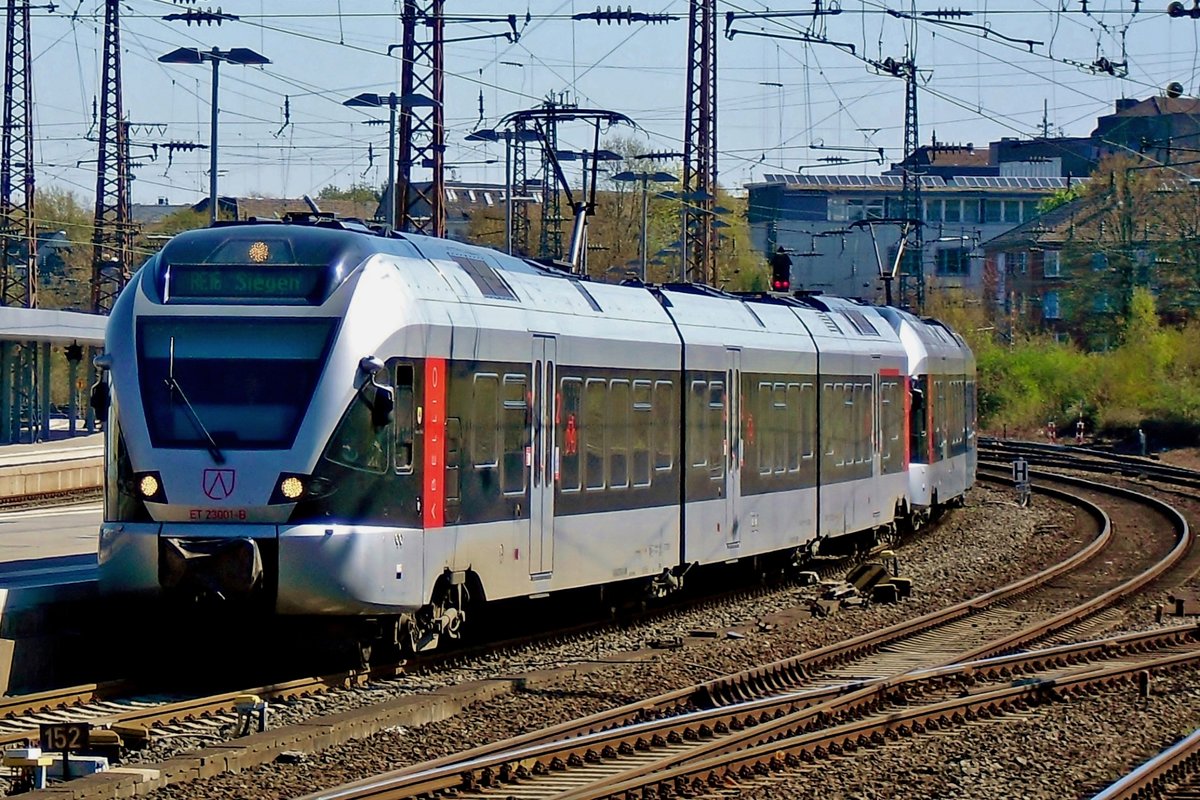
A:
(1041, 185)
(1051, 228)
(1158, 106)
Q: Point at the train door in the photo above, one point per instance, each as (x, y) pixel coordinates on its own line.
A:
(733, 448)
(543, 457)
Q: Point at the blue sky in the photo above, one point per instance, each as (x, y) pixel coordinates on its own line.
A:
(973, 88)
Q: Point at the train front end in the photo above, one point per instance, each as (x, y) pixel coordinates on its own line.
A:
(249, 422)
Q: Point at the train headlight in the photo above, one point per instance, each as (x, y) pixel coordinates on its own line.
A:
(291, 487)
(149, 486)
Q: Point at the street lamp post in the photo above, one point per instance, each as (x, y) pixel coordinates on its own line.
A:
(392, 101)
(193, 55)
(645, 178)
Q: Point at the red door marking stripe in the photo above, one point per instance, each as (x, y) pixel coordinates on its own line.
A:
(435, 442)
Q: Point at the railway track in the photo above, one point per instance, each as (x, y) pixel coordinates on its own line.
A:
(1170, 775)
(670, 743)
(671, 753)
(138, 715)
(887, 653)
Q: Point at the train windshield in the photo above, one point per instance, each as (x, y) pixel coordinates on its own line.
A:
(229, 383)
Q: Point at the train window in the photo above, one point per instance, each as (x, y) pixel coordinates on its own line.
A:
(620, 408)
(779, 426)
(515, 427)
(715, 434)
(664, 424)
(765, 435)
(642, 417)
(404, 416)
(571, 396)
(792, 427)
(593, 432)
(696, 426)
(485, 420)
(866, 431)
(808, 421)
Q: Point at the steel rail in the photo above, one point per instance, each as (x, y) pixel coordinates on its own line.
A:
(744, 724)
(808, 746)
(1170, 766)
(772, 678)
(492, 764)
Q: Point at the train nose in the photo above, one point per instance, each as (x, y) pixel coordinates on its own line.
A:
(223, 569)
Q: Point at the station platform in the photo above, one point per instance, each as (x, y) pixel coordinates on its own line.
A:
(48, 567)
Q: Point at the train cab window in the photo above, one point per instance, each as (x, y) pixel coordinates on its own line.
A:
(664, 425)
(515, 433)
(595, 411)
(715, 429)
(642, 431)
(569, 434)
(357, 443)
(485, 421)
(620, 408)
(404, 417)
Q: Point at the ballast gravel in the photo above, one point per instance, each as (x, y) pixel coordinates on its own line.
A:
(987, 544)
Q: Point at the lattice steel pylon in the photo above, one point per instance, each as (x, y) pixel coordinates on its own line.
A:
(912, 270)
(520, 175)
(550, 236)
(112, 236)
(700, 145)
(421, 207)
(18, 259)
(19, 407)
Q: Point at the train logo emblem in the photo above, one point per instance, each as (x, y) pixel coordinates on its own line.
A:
(218, 483)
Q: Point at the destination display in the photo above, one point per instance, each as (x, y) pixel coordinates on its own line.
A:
(250, 283)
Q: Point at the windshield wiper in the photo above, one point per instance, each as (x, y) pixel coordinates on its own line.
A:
(173, 386)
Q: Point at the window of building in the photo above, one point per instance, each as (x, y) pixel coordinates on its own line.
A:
(1099, 261)
(933, 210)
(993, 211)
(1028, 210)
(1052, 264)
(970, 211)
(1012, 211)
(953, 261)
(1100, 302)
(1018, 262)
(953, 210)
(853, 209)
(1050, 308)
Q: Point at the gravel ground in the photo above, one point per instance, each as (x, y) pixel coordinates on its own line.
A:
(987, 544)
(1046, 753)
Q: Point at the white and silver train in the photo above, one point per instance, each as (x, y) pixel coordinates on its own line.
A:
(312, 418)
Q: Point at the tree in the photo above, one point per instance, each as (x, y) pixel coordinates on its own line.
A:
(64, 279)
(358, 193)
